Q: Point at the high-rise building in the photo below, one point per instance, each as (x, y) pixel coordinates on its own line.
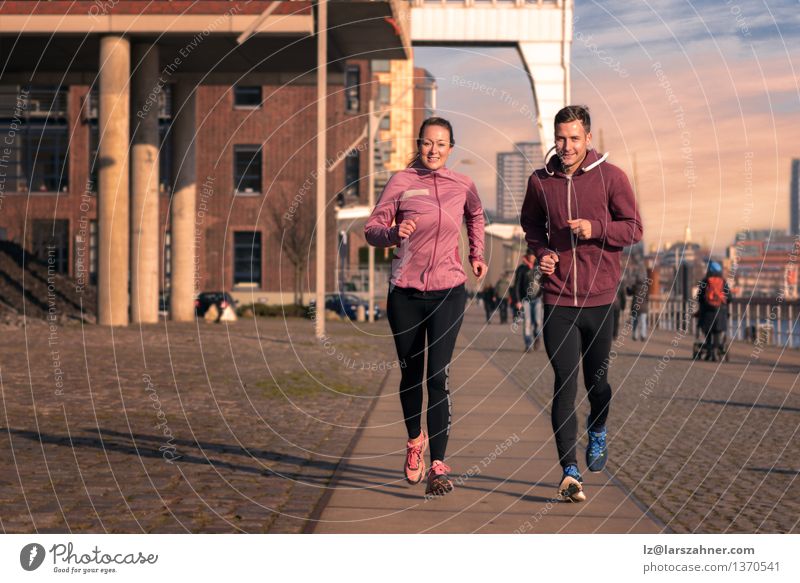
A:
(424, 96)
(513, 170)
(395, 95)
(794, 198)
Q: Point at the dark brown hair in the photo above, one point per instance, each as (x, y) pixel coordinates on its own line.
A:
(574, 113)
(436, 121)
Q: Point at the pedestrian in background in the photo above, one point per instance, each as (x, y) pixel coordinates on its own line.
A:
(639, 292)
(488, 299)
(619, 307)
(528, 289)
(713, 298)
(502, 295)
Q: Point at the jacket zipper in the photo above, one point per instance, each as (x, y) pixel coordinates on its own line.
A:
(436, 240)
(573, 243)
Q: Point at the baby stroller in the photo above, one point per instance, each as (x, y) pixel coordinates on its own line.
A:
(710, 346)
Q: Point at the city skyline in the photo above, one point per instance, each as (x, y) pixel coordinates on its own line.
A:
(697, 96)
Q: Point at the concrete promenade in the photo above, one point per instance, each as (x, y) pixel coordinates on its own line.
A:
(695, 446)
(503, 464)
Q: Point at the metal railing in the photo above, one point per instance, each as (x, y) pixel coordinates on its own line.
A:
(759, 321)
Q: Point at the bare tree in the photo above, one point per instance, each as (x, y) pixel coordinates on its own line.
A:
(294, 230)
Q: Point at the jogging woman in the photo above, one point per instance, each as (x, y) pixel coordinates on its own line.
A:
(420, 212)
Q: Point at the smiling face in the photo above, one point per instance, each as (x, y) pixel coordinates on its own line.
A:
(434, 147)
(572, 142)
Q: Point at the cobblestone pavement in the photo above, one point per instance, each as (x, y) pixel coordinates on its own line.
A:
(214, 428)
(707, 447)
(175, 428)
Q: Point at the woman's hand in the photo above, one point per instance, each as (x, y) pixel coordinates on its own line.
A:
(405, 228)
(479, 268)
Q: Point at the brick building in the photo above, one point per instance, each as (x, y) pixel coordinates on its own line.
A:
(249, 154)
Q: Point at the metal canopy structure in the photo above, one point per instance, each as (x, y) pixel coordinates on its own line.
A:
(63, 38)
(541, 30)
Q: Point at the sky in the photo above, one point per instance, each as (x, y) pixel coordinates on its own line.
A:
(702, 97)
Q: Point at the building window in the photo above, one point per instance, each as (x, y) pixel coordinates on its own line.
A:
(247, 96)
(381, 66)
(247, 258)
(93, 252)
(247, 169)
(352, 88)
(386, 122)
(167, 260)
(85, 261)
(352, 173)
(36, 146)
(384, 94)
(164, 136)
(50, 243)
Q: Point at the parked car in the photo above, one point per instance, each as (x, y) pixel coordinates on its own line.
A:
(347, 305)
(205, 300)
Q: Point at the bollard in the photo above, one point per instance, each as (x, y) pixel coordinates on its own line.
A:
(361, 314)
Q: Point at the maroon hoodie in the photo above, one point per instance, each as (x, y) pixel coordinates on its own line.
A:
(588, 271)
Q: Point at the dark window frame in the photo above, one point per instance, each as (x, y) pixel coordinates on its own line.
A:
(352, 89)
(248, 256)
(242, 90)
(34, 120)
(352, 173)
(255, 151)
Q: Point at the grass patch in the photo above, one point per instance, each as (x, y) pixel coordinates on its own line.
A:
(300, 384)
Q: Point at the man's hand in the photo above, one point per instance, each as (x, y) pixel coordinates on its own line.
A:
(479, 269)
(405, 228)
(547, 265)
(581, 228)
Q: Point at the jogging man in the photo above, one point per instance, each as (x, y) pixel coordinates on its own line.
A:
(579, 213)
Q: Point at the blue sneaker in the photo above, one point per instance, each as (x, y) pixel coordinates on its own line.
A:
(571, 487)
(597, 450)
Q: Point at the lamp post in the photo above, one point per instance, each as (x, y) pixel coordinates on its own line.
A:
(322, 113)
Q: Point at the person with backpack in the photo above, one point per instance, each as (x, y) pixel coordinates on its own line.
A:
(420, 214)
(713, 298)
(578, 215)
(501, 291)
(528, 291)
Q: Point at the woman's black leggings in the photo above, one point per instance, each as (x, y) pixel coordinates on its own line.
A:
(413, 315)
(571, 335)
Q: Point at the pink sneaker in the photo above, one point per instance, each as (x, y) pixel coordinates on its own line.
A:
(439, 483)
(415, 462)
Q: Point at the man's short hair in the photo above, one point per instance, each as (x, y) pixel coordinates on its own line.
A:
(575, 113)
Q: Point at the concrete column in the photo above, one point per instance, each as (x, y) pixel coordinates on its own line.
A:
(144, 185)
(547, 65)
(112, 195)
(184, 203)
